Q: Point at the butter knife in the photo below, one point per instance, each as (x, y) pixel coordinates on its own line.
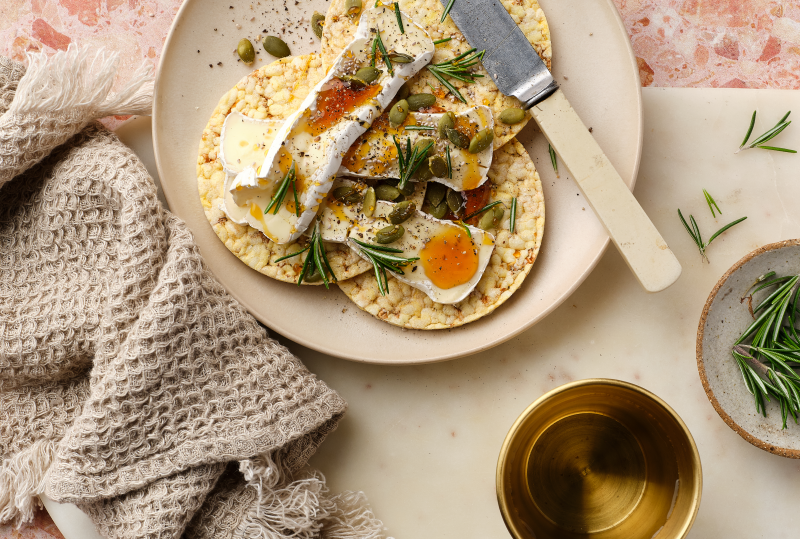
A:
(517, 70)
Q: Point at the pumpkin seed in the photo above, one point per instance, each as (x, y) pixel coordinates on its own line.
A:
(246, 51)
(482, 140)
(435, 193)
(386, 192)
(389, 234)
(512, 115)
(422, 143)
(316, 23)
(400, 58)
(423, 173)
(440, 211)
(498, 213)
(368, 74)
(276, 47)
(401, 212)
(398, 113)
(342, 192)
(368, 207)
(408, 188)
(487, 220)
(418, 101)
(346, 194)
(458, 138)
(454, 200)
(403, 92)
(447, 121)
(353, 7)
(438, 166)
(353, 81)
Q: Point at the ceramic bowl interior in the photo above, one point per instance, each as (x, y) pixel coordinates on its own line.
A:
(724, 318)
(599, 458)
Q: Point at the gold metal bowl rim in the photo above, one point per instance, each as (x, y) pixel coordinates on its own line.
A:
(502, 458)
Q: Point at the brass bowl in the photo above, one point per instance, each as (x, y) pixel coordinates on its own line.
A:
(600, 458)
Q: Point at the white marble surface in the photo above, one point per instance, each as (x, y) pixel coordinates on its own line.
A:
(422, 441)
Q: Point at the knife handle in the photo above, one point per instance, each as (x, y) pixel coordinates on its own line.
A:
(633, 234)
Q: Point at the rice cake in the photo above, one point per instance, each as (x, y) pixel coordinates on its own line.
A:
(340, 27)
(273, 91)
(512, 174)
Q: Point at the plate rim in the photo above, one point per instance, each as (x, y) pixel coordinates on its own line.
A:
(486, 345)
(741, 431)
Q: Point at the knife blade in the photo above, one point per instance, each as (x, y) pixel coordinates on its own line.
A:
(517, 70)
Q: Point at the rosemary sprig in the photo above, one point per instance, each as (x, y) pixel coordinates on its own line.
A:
(711, 203)
(449, 163)
(457, 68)
(768, 363)
(443, 40)
(553, 159)
(418, 128)
(694, 232)
(465, 227)
(280, 193)
(316, 260)
(447, 10)
(480, 211)
(399, 18)
(373, 54)
(384, 55)
(767, 136)
(410, 161)
(383, 258)
(513, 215)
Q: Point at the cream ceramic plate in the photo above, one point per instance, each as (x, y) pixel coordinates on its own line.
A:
(595, 66)
(724, 319)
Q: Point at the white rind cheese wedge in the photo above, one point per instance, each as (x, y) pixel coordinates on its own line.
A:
(330, 119)
(374, 154)
(245, 141)
(451, 261)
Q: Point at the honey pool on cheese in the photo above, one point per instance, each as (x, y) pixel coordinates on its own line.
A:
(314, 139)
(450, 261)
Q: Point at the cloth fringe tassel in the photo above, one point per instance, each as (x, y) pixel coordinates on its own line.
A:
(79, 79)
(302, 507)
(22, 479)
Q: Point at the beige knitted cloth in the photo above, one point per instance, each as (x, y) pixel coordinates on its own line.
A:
(131, 383)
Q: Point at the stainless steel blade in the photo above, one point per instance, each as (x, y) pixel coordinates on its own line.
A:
(510, 58)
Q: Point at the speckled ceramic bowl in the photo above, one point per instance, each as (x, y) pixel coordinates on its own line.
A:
(724, 319)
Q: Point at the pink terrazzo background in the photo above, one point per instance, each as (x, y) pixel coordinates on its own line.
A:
(678, 43)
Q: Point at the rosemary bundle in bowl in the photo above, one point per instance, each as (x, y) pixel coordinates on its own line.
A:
(768, 352)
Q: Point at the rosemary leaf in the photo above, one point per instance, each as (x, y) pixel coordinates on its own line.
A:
(776, 149)
(724, 228)
(384, 55)
(458, 68)
(383, 258)
(443, 40)
(462, 224)
(447, 10)
(770, 134)
(480, 211)
(301, 251)
(418, 128)
(399, 17)
(711, 203)
(280, 193)
(553, 159)
(449, 163)
(513, 215)
(749, 129)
